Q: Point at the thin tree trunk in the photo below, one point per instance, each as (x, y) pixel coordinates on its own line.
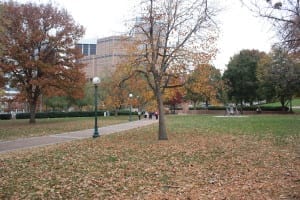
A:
(291, 106)
(282, 101)
(241, 107)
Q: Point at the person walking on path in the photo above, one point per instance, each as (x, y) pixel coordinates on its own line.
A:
(156, 115)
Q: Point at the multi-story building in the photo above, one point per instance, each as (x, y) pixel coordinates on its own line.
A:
(87, 47)
(102, 56)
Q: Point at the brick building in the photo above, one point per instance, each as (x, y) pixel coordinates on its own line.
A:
(103, 55)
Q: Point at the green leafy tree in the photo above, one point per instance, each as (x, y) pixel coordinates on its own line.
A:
(57, 103)
(282, 71)
(87, 100)
(38, 51)
(240, 76)
(266, 89)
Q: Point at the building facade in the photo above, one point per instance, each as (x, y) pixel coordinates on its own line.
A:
(102, 56)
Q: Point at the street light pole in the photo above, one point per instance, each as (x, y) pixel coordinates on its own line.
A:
(130, 117)
(96, 81)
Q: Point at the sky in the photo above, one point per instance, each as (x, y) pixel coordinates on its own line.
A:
(239, 28)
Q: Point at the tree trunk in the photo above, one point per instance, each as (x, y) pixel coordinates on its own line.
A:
(32, 113)
(282, 102)
(241, 107)
(291, 106)
(116, 112)
(162, 133)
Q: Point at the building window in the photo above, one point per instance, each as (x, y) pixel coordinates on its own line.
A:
(92, 49)
(86, 49)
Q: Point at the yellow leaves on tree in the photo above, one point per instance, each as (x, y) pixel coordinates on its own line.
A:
(122, 83)
(203, 84)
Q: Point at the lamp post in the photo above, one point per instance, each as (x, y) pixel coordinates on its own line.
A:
(96, 81)
(130, 97)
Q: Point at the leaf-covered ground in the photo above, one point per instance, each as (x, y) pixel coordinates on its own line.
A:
(194, 163)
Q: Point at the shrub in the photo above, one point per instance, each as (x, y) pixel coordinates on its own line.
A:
(209, 108)
(41, 115)
(5, 116)
(248, 108)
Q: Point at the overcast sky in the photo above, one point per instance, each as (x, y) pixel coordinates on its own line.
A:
(239, 29)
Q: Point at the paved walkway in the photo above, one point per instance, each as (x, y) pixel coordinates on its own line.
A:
(24, 143)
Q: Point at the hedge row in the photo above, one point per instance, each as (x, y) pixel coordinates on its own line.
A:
(5, 116)
(267, 108)
(248, 108)
(40, 115)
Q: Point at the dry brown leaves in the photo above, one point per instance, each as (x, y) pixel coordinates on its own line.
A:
(137, 166)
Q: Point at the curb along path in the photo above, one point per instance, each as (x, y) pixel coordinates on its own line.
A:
(24, 143)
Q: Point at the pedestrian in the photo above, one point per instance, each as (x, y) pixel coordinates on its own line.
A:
(139, 115)
(150, 115)
(156, 115)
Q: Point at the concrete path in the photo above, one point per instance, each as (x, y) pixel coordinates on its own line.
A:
(24, 143)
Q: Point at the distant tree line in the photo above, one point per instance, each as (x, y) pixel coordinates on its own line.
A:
(253, 76)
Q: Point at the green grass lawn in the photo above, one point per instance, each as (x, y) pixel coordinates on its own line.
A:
(258, 125)
(12, 129)
(295, 102)
(206, 157)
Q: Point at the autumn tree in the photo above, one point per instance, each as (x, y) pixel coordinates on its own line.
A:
(135, 83)
(121, 83)
(143, 98)
(38, 51)
(169, 32)
(2, 80)
(114, 86)
(240, 76)
(174, 96)
(203, 84)
(284, 16)
(173, 100)
(115, 94)
(1, 71)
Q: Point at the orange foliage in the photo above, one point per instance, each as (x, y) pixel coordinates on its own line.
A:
(122, 83)
(171, 93)
(204, 83)
(39, 51)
